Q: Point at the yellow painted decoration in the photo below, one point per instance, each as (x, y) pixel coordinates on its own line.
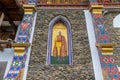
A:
(20, 75)
(49, 2)
(96, 9)
(19, 48)
(105, 75)
(19, 51)
(107, 49)
(21, 44)
(29, 9)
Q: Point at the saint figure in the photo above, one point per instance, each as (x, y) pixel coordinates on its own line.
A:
(60, 47)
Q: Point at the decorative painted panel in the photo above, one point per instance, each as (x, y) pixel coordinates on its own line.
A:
(59, 49)
(25, 28)
(108, 62)
(76, 2)
(23, 36)
(109, 1)
(16, 71)
(100, 30)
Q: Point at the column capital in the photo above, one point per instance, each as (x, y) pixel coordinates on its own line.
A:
(107, 48)
(29, 9)
(96, 9)
(21, 44)
(19, 48)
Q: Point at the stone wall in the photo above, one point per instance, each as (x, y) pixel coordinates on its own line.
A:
(81, 69)
(114, 32)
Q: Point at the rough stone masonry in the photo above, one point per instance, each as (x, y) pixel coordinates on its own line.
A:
(82, 68)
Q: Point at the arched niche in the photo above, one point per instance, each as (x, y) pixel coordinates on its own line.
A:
(116, 21)
(56, 23)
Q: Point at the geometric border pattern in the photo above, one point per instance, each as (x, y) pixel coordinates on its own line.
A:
(108, 63)
(23, 36)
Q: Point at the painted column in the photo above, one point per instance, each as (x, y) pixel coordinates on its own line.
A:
(104, 45)
(22, 43)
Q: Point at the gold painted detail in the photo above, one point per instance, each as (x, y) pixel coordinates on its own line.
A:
(21, 44)
(107, 49)
(20, 75)
(96, 9)
(19, 48)
(29, 9)
(19, 51)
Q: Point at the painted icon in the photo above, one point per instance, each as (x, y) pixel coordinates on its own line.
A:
(59, 47)
(59, 44)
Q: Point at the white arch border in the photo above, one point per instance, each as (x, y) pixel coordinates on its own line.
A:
(116, 21)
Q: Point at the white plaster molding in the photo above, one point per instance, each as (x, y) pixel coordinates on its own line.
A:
(92, 42)
(116, 21)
